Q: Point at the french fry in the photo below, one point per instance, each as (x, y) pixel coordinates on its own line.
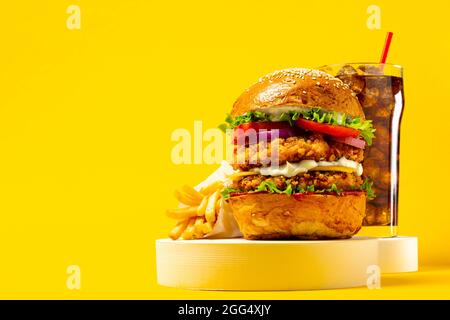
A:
(176, 232)
(186, 198)
(188, 233)
(198, 225)
(217, 207)
(194, 194)
(200, 214)
(207, 227)
(202, 227)
(206, 191)
(182, 213)
(210, 212)
(202, 207)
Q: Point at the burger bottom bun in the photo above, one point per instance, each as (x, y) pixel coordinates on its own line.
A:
(280, 216)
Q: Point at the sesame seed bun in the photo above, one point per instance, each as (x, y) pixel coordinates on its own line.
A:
(281, 216)
(299, 87)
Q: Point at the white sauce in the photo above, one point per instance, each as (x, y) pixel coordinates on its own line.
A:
(293, 169)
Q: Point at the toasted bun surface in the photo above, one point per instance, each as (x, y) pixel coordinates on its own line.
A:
(280, 216)
(299, 87)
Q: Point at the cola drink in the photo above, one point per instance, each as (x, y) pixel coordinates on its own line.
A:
(379, 89)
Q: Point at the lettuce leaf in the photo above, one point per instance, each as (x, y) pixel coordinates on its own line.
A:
(254, 116)
(366, 130)
(367, 186)
(226, 192)
(334, 188)
(314, 114)
(271, 187)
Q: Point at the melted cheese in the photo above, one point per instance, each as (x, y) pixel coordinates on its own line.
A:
(293, 169)
(333, 168)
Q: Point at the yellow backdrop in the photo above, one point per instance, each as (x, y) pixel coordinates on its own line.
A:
(86, 117)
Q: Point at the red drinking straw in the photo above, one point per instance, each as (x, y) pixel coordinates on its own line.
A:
(387, 44)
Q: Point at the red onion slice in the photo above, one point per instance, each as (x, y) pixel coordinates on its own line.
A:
(354, 142)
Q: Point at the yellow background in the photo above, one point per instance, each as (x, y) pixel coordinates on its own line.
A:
(86, 117)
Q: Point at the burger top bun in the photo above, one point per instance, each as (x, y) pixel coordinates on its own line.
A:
(299, 87)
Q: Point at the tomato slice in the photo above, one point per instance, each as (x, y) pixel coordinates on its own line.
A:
(332, 130)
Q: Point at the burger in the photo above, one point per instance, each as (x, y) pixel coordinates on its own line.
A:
(305, 179)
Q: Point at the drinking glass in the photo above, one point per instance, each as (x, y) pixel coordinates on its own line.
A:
(379, 89)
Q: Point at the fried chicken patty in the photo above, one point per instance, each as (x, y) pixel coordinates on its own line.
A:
(320, 180)
(293, 149)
